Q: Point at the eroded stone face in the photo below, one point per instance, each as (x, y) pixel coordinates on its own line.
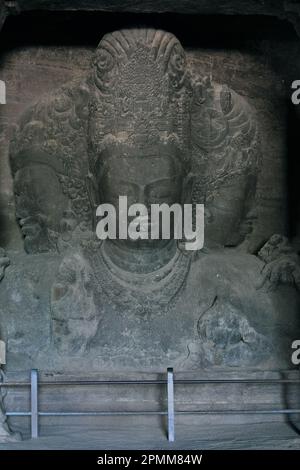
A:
(40, 207)
(147, 179)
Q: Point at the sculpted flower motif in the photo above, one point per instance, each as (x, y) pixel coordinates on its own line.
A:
(104, 61)
(177, 60)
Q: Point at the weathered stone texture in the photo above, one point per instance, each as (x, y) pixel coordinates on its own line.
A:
(143, 113)
(247, 74)
(143, 117)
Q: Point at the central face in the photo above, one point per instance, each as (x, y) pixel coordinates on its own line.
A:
(144, 180)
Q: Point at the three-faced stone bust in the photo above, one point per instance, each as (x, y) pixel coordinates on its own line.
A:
(142, 126)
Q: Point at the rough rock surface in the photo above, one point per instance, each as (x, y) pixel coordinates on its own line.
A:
(227, 323)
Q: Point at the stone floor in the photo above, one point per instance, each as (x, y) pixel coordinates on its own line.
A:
(148, 433)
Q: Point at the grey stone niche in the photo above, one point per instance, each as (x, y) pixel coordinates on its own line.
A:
(145, 120)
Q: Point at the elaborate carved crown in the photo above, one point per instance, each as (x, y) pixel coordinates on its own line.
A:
(140, 93)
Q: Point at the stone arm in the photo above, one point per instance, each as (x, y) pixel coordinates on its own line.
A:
(73, 312)
(282, 264)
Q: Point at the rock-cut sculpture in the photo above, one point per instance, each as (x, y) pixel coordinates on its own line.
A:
(145, 125)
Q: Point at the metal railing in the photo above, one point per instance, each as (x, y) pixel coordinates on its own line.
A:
(35, 413)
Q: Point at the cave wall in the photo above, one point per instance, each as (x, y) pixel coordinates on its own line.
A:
(56, 46)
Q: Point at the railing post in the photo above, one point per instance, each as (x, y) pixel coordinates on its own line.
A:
(171, 425)
(34, 404)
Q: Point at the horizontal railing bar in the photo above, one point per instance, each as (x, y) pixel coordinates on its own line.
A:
(87, 382)
(156, 382)
(239, 412)
(100, 413)
(236, 381)
(125, 413)
(120, 413)
(86, 413)
(14, 384)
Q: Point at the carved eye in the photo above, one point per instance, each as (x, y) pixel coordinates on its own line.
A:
(104, 61)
